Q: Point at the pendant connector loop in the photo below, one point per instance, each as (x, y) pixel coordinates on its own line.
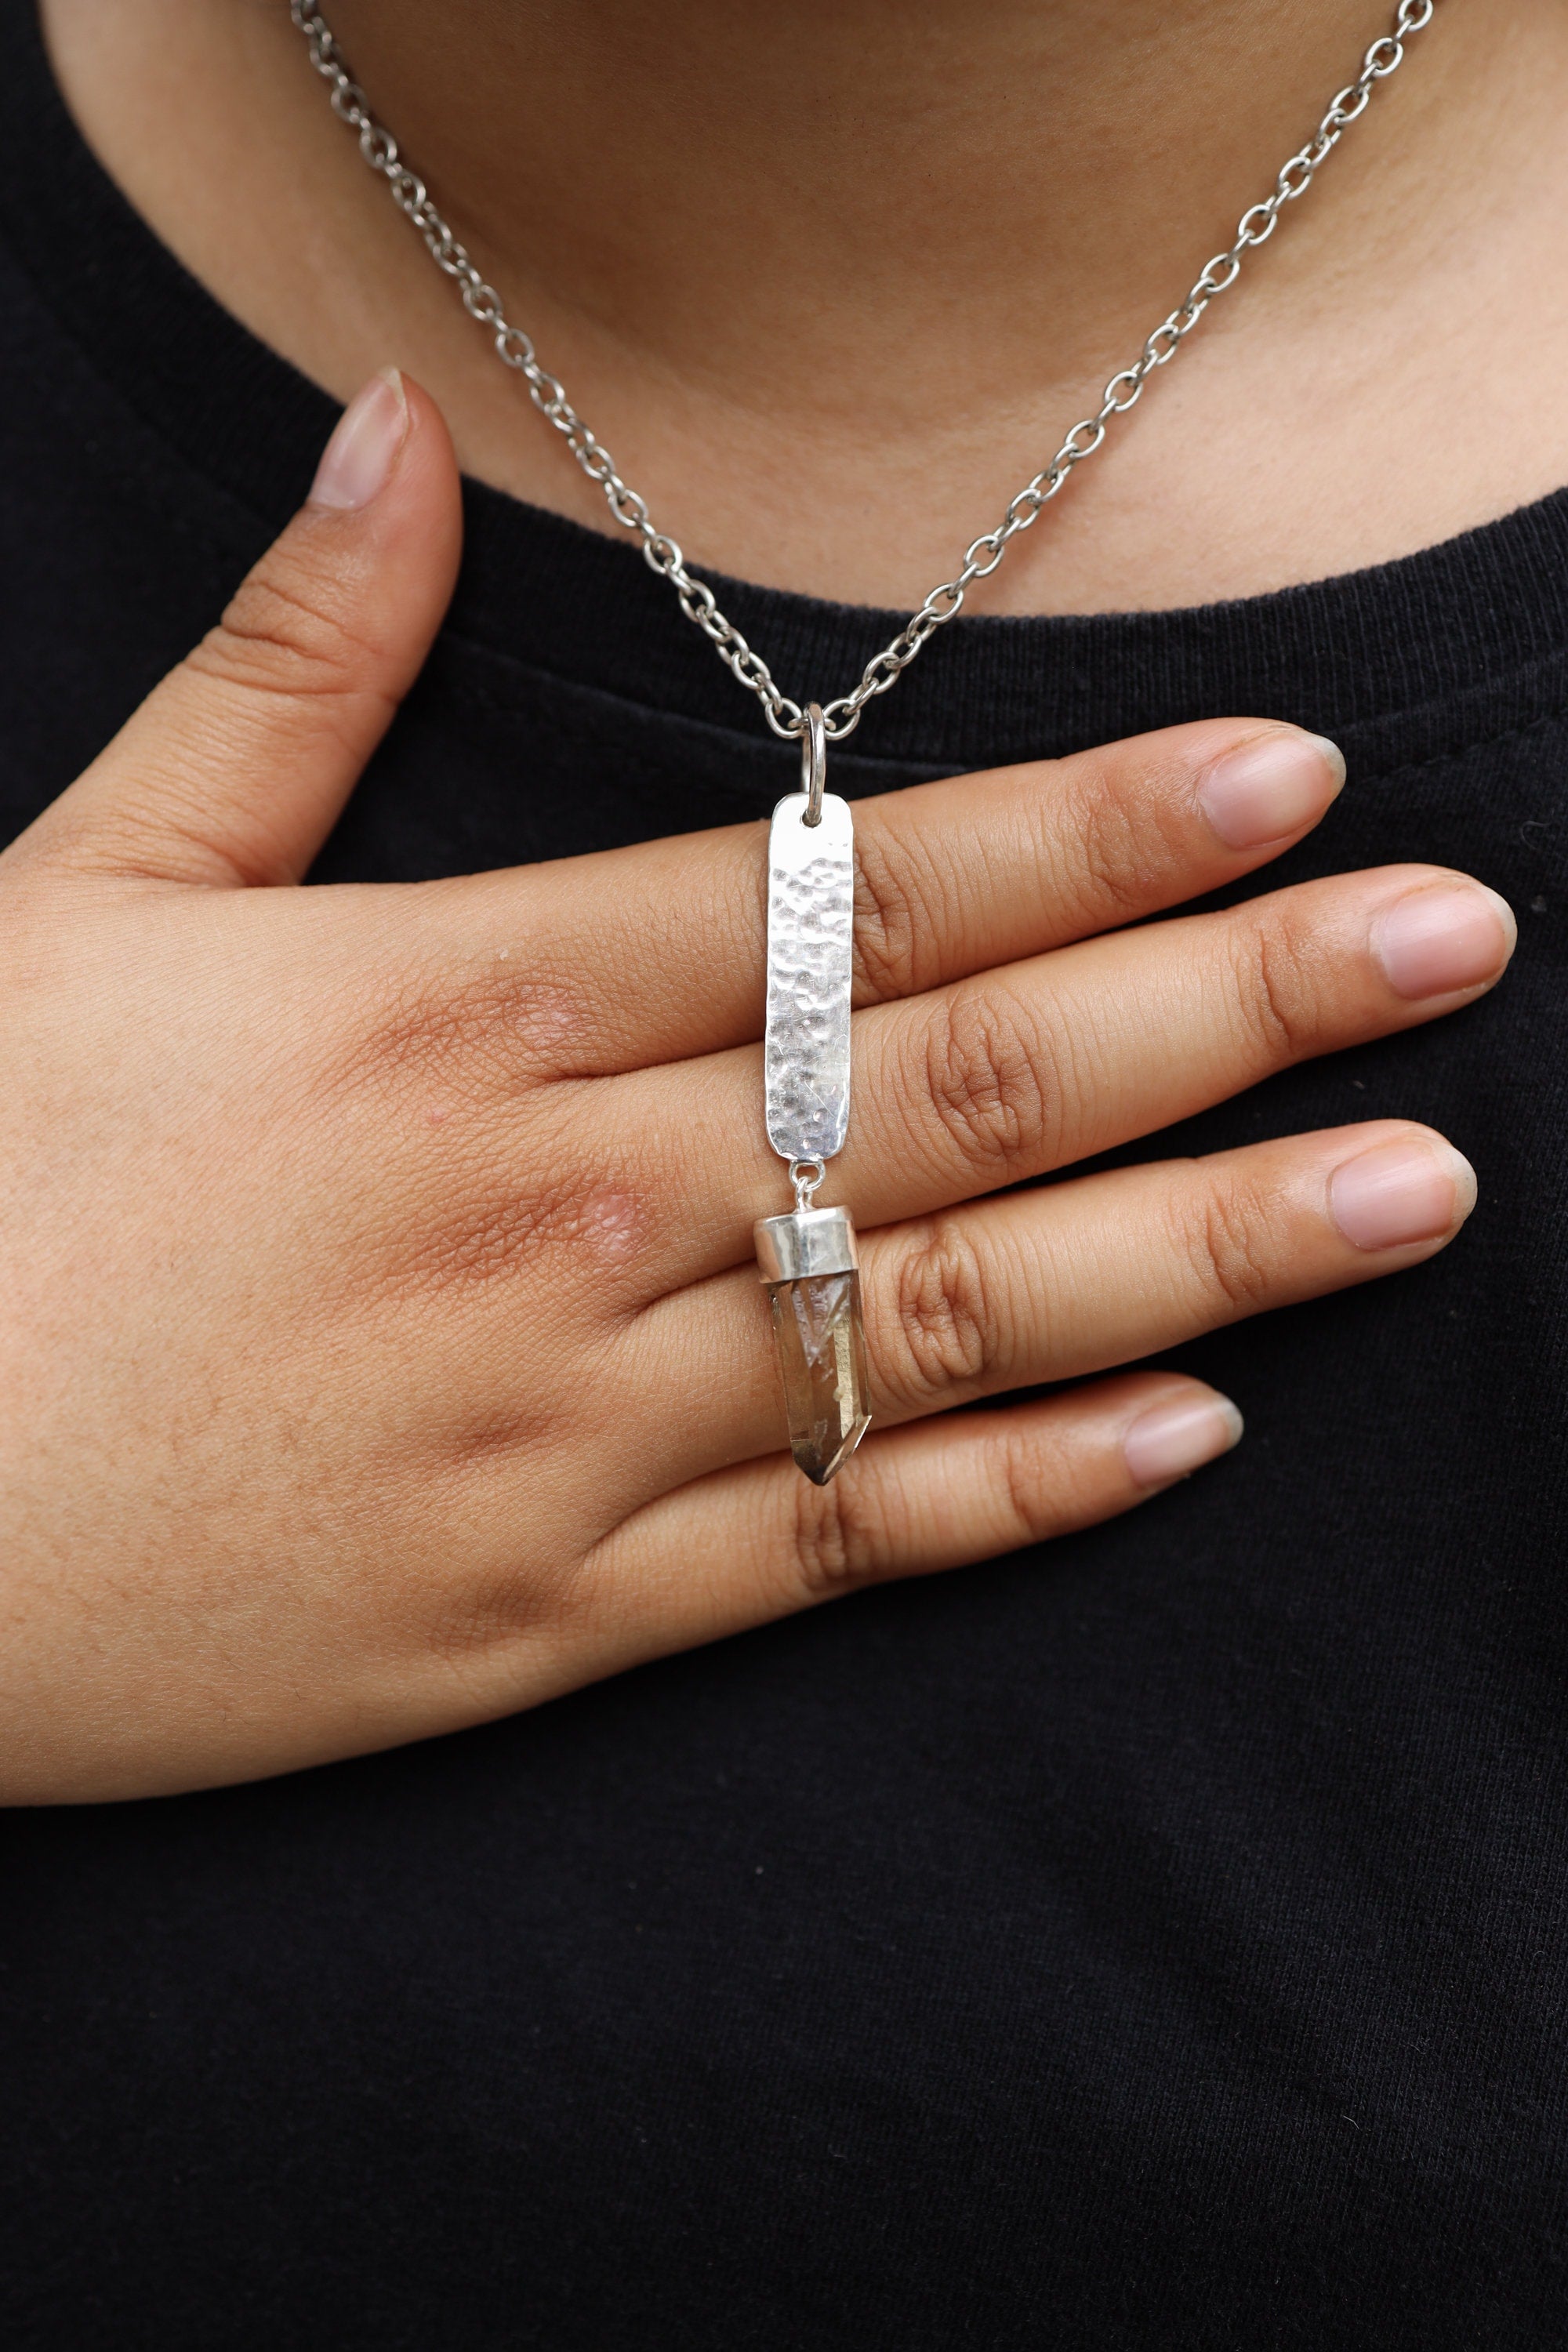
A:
(805, 1175)
(812, 761)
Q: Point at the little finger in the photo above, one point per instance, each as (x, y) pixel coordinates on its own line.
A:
(756, 1542)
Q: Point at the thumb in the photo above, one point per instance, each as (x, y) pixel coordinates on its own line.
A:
(234, 769)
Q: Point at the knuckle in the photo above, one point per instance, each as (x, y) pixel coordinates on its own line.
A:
(1022, 1469)
(480, 1234)
(898, 912)
(499, 1030)
(1230, 1250)
(531, 1601)
(839, 1537)
(287, 631)
(1112, 880)
(1274, 989)
(986, 1075)
(942, 1331)
(495, 1164)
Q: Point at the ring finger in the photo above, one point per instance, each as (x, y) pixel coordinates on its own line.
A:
(1051, 1284)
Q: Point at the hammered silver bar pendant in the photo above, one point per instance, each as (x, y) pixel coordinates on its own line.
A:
(807, 1259)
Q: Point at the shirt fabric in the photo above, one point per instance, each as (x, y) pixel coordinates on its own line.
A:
(1154, 1940)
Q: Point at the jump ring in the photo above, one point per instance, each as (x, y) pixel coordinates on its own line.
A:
(812, 761)
(805, 1175)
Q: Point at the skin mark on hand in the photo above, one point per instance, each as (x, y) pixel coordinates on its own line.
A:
(612, 1225)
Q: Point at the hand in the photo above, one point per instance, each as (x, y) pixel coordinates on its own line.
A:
(383, 1350)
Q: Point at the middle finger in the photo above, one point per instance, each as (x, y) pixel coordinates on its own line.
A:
(1026, 1070)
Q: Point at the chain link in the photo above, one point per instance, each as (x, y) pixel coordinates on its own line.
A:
(515, 348)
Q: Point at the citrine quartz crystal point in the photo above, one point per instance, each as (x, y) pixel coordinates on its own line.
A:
(808, 1262)
(822, 1355)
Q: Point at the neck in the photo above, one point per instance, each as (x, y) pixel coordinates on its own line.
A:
(831, 283)
(843, 203)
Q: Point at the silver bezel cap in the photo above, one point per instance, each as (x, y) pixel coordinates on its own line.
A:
(805, 1242)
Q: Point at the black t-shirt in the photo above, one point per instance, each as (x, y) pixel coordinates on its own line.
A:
(1155, 1940)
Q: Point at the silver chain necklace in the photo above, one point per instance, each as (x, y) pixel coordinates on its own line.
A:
(807, 1259)
(981, 558)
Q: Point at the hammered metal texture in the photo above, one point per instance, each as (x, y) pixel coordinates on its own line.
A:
(811, 923)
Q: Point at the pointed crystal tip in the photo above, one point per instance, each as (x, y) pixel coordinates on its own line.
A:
(822, 1356)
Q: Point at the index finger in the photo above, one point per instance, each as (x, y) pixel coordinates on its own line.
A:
(657, 952)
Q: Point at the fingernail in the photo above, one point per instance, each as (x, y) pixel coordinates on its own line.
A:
(358, 458)
(1271, 787)
(1445, 936)
(1400, 1192)
(1171, 1440)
